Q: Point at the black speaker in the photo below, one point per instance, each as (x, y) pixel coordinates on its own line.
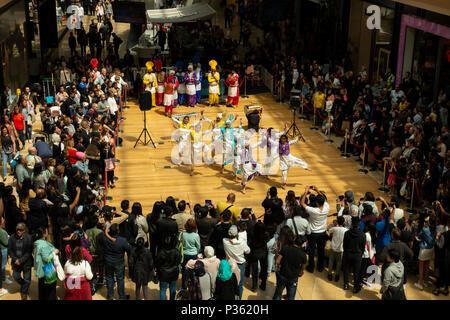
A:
(145, 101)
(47, 24)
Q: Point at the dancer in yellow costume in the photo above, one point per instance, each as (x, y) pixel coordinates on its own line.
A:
(213, 79)
(150, 81)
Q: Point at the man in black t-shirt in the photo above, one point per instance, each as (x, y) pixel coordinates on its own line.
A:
(273, 208)
(290, 262)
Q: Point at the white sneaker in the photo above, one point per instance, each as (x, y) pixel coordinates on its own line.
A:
(7, 281)
(3, 292)
(418, 285)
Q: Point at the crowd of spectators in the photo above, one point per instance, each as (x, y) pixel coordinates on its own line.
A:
(213, 247)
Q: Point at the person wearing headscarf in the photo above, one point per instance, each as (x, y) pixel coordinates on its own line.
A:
(210, 262)
(201, 285)
(150, 81)
(213, 80)
(160, 77)
(226, 283)
(190, 79)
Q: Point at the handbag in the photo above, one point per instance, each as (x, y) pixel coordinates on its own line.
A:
(50, 274)
(373, 258)
(110, 164)
(180, 247)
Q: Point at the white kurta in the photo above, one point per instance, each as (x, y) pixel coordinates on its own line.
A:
(239, 139)
(182, 86)
(288, 161)
(228, 146)
(191, 88)
(248, 171)
(232, 92)
(271, 152)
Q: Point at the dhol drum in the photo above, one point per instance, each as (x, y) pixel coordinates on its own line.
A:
(254, 115)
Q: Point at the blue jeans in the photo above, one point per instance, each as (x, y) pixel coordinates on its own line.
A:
(6, 157)
(290, 285)
(271, 256)
(4, 261)
(163, 288)
(29, 131)
(241, 282)
(21, 137)
(185, 272)
(25, 281)
(118, 272)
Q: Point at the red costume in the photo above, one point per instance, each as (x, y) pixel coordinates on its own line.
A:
(233, 89)
(160, 75)
(170, 86)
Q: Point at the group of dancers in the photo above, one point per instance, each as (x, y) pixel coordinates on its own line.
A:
(234, 146)
(180, 86)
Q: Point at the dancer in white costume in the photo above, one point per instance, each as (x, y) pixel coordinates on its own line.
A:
(215, 127)
(267, 137)
(227, 137)
(287, 160)
(249, 167)
(183, 137)
(198, 147)
(239, 145)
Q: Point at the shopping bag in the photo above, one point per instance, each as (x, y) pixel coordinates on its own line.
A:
(50, 272)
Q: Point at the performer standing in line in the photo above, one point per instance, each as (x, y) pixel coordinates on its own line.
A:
(181, 85)
(161, 75)
(198, 85)
(169, 88)
(233, 89)
(150, 81)
(175, 88)
(213, 79)
(249, 167)
(190, 79)
(287, 160)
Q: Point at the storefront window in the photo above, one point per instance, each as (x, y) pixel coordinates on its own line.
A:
(383, 43)
(13, 46)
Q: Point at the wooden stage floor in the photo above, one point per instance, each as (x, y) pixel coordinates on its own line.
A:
(144, 178)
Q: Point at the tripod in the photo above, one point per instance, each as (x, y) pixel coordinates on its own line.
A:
(145, 133)
(295, 130)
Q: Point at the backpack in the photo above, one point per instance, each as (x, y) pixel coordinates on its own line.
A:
(277, 215)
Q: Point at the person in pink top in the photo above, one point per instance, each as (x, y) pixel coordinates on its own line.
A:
(75, 241)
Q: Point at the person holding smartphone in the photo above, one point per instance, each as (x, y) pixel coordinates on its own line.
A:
(318, 221)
